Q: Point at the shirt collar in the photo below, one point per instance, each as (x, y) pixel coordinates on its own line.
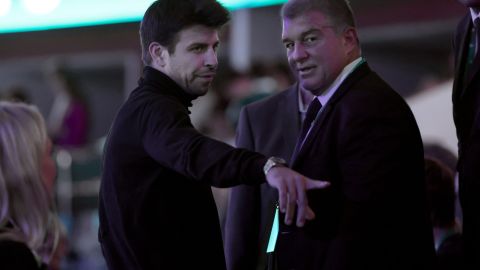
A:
(474, 14)
(302, 107)
(327, 94)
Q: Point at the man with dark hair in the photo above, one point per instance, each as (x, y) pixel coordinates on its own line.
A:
(466, 113)
(361, 136)
(156, 206)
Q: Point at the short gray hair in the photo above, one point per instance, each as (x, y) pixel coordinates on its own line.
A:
(339, 12)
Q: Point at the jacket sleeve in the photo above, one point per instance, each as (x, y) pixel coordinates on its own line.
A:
(170, 138)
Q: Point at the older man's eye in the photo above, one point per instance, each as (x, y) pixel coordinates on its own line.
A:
(309, 40)
(288, 45)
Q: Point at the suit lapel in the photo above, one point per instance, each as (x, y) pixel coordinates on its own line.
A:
(462, 46)
(327, 109)
(291, 123)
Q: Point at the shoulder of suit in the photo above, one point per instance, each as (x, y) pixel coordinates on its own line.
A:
(462, 25)
(370, 86)
(285, 95)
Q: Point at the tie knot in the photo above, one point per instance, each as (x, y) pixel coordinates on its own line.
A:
(476, 23)
(313, 109)
(312, 112)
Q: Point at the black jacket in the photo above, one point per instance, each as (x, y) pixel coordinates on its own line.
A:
(466, 114)
(156, 206)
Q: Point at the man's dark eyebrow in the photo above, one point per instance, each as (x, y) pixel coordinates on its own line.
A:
(306, 33)
(202, 44)
(195, 44)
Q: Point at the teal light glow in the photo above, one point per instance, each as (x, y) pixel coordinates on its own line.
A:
(238, 4)
(76, 13)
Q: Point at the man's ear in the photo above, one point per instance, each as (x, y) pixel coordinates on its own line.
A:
(350, 39)
(158, 54)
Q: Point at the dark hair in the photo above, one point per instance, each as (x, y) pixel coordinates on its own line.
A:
(441, 192)
(164, 19)
(338, 12)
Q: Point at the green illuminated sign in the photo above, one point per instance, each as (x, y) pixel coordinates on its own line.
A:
(32, 15)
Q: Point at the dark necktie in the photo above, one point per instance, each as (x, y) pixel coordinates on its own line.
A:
(476, 27)
(312, 112)
(473, 50)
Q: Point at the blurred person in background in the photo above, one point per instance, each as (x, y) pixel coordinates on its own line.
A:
(262, 81)
(448, 158)
(441, 202)
(16, 93)
(29, 229)
(68, 121)
(466, 114)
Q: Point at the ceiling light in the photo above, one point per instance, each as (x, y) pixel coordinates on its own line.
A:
(40, 7)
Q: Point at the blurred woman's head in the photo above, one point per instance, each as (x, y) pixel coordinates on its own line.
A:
(27, 171)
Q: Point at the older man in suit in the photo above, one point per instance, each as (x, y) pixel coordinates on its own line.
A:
(466, 114)
(360, 135)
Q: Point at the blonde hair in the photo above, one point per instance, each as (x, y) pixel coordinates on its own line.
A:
(26, 208)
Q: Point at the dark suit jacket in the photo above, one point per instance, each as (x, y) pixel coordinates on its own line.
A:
(156, 206)
(269, 126)
(466, 114)
(373, 216)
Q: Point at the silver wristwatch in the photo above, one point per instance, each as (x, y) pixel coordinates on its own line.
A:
(273, 162)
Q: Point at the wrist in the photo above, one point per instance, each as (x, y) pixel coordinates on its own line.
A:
(273, 162)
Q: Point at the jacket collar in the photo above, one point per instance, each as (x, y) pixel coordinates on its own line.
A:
(165, 85)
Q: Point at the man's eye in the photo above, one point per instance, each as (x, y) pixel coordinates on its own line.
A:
(310, 40)
(197, 49)
(288, 45)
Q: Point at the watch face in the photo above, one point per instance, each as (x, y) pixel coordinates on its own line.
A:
(278, 160)
(273, 162)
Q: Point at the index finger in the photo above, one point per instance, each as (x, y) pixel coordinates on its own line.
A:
(316, 184)
(282, 197)
(302, 202)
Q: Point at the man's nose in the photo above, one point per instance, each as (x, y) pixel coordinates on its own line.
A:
(211, 58)
(299, 53)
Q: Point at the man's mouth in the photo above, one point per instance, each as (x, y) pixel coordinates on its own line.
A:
(206, 75)
(305, 70)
